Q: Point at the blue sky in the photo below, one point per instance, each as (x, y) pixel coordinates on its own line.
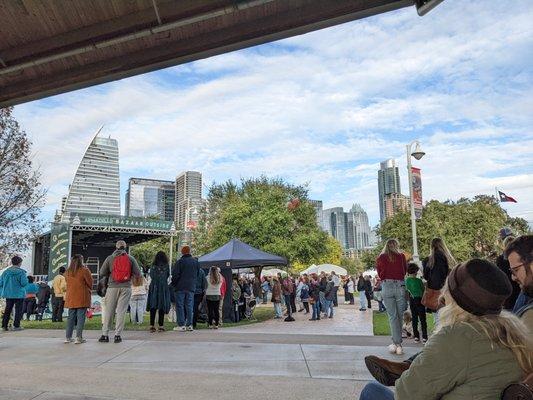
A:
(324, 109)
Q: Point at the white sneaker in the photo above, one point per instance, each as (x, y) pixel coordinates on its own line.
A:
(399, 350)
(179, 329)
(190, 328)
(79, 340)
(392, 348)
(68, 341)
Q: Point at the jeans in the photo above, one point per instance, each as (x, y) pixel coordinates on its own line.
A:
(277, 308)
(58, 305)
(10, 304)
(137, 308)
(213, 316)
(316, 310)
(76, 318)
(336, 299)
(418, 312)
(362, 300)
(329, 308)
(185, 305)
(394, 298)
(288, 304)
(376, 391)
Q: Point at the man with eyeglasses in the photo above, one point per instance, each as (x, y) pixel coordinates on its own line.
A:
(520, 256)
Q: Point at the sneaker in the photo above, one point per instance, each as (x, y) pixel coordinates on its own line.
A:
(399, 350)
(79, 340)
(117, 339)
(179, 329)
(190, 328)
(152, 329)
(20, 328)
(161, 329)
(424, 341)
(392, 348)
(215, 327)
(312, 319)
(67, 340)
(417, 340)
(104, 339)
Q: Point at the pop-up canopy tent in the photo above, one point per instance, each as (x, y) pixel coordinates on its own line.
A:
(233, 255)
(327, 268)
(272, 272)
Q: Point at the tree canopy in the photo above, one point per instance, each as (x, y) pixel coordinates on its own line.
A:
(469, 227)
(21, 193)
(269, 214)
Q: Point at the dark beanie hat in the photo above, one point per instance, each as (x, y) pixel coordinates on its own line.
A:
(479, 287)
(185, 250)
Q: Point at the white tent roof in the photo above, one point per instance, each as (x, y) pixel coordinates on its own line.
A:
(327, 268)
(273, 272)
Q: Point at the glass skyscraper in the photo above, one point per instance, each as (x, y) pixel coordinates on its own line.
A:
(388, 183)
(150, 198)
(351, 229)
(188, 199)
(95, 188)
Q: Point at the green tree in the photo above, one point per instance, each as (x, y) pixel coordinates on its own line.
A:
(354, 266)
(468, 226)
(145, 252)
(259, 212)
(368, 258)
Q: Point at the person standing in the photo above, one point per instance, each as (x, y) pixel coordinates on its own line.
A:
(30, 301)
(59, 285)
(323, 282)
(304, 293)
(184, 275)
(287, 288)
(336, 283)
(236, 293)
(392, 267)
(12, 288)
(276, 297)
(351, 290)
(223, 290)
(43, 297)
(199, 294)
(415, 288)
(78, 297)
(158, 301)
(139, 291)
(330, 296)
(118, 269)
(265, 286)
(502, 263)
(361, 290)
(368, 291)
(256, 287)
(436, 269)
(378, 295)
(212, 297)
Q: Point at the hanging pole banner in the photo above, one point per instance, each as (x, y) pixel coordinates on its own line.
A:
(59, 248)
(417, 191)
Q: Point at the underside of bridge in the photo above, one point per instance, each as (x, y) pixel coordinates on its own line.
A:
(51, 47)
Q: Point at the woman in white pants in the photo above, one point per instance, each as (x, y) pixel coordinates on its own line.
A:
(139, 292)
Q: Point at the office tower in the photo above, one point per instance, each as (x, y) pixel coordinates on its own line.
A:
(335, 223)
(358, 228)
(394, 203)
(388, 183)
(317, 204)
(188, 199)
(96, 185)
(150, 198)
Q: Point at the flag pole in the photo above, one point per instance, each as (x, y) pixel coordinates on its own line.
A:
(497, 195)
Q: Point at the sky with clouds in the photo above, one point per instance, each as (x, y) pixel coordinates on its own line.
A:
(324, 109)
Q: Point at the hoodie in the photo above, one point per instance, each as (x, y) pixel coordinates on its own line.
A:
(107, 268)
(13, 282)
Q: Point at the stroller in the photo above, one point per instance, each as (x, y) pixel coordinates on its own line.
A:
(250, 304)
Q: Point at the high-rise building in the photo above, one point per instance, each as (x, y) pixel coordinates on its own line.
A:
(317, 204)
(358, 228)
(335, 223)
(188, 199)
(388, 183)
(95, 188)
(150, 197)
(394, 203)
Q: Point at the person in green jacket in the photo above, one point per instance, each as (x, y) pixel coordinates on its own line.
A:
(415, 289)
(477, 350)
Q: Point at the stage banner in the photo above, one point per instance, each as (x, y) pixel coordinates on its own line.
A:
(119, 221)
(59, 248)
(417, 191)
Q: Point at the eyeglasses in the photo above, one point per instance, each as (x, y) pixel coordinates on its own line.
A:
(514, 270)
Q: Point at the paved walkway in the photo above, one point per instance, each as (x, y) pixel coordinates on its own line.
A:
(236, 363)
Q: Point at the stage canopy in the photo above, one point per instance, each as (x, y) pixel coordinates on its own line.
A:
(237, 254)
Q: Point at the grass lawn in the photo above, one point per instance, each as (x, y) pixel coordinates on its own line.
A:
(95, 323)
(381, 323)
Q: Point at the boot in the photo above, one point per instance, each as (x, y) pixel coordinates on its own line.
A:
(384, 371)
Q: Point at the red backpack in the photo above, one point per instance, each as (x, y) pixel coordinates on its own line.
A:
(121, 268)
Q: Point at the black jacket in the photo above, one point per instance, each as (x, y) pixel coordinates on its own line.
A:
(361, 285)
(330, 291)
(437, 275)
(43, 295)
(184, 273)
(368, 287)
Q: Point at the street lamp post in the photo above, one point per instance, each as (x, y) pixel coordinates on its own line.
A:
(418, 154)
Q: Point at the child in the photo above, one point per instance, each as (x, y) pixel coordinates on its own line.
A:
(139, 295)
(415, 288)
(30, 301)
(407, 326)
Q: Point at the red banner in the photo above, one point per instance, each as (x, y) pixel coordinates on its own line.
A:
(416, 180)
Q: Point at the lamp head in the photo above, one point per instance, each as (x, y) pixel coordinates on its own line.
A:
(418, 153)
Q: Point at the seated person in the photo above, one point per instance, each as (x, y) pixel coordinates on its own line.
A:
(477, 349)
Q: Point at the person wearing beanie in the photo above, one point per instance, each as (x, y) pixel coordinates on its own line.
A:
(184, 278)
(477, 349)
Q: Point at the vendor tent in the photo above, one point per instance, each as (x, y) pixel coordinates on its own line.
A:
(273, 272)
(327, 268)
(233, 255)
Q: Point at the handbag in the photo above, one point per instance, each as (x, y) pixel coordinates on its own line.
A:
(430, 299)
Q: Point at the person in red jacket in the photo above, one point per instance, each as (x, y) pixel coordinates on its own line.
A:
(392, 267)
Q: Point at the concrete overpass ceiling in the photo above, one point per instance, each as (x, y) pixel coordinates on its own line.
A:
(51, 47)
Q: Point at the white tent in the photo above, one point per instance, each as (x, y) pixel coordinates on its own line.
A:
(309, 270)
(327, 268)
(273, 272)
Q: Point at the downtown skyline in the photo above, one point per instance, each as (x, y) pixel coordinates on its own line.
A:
(323, 108)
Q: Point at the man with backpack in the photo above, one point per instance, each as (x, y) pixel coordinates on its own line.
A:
(118, 269)
(184, 275)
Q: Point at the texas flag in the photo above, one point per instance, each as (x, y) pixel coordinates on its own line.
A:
(504, 198)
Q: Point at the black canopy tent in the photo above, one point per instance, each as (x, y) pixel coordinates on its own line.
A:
(233, 255)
